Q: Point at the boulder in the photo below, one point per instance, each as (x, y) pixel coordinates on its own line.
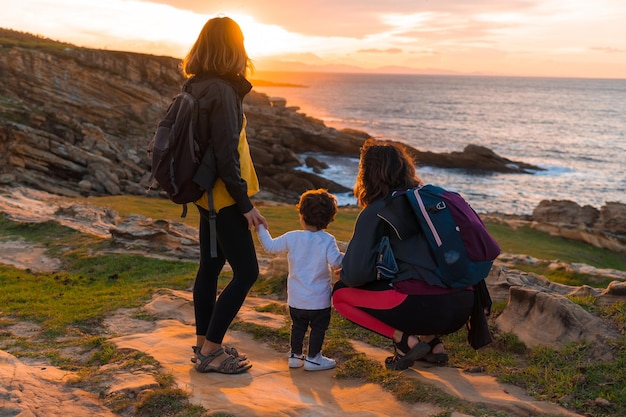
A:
(565, 211)
(612, 218)
(539, 318)
(158, 238)
(317, 165)
(605, 228)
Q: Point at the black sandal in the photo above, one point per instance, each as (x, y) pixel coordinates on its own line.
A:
(435, 358)
(402, 346)
(229, 365)
(404, 359)
(399, 349)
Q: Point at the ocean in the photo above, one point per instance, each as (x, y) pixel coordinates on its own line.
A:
(575, 129)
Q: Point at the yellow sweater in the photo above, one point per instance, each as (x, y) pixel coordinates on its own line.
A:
(221, 198)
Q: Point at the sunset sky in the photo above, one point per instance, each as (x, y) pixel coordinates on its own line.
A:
(561, 38)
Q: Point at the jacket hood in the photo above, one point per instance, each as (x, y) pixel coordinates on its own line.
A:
(239, 83)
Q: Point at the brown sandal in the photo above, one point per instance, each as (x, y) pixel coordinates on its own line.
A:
(228, 349)
(229, 365)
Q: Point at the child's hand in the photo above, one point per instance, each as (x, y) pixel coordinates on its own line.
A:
(255, 218)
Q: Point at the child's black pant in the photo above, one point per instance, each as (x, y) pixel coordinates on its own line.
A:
(318, 320)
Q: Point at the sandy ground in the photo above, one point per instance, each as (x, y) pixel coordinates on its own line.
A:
(272, 388)
(269, 388)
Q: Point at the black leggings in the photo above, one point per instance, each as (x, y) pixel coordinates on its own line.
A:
(382, 309)
(301, 320)
(235, 245)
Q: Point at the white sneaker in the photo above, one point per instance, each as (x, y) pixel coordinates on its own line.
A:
(296, 361)
(319, 363)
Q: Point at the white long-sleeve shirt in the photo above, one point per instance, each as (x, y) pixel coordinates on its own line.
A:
(310, 256)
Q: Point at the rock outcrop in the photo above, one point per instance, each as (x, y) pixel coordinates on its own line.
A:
(76, 121)
(610, 218)
(544, 319)
(540, 313)
(603, 228)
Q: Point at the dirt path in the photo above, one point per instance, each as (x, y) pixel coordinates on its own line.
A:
(269, 388)
(272, 388)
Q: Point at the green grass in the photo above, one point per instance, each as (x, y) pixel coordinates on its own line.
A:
(282, 218)
(544, 246)
(89, 287)
(71, 305)
(168, 402)
(11, 38)
(152, 207)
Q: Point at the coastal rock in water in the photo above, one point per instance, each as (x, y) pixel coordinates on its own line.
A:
(473, 158)
(316, 165)
(82, 126)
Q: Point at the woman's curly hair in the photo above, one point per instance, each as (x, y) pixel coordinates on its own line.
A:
(383, 167)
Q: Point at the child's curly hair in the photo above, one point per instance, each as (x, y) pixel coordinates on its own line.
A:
(317, 207)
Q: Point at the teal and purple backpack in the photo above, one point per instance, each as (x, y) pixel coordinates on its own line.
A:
(461, 245)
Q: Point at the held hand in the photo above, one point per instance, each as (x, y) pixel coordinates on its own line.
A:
(255, 218)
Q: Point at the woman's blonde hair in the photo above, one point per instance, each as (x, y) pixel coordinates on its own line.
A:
(383, 167)
(218, 50)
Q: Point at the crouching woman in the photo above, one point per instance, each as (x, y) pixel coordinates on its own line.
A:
(407, 307)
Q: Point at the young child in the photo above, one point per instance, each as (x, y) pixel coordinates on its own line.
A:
(311, 253)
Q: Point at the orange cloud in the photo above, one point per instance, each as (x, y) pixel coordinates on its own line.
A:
(381, 51)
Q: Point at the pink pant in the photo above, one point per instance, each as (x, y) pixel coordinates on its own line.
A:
(382, 309)
(348, 300)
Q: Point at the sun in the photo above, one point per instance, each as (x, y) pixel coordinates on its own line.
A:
(262, 40)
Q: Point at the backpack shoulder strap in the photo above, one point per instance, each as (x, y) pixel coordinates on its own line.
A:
(212, 214)
(398, 215)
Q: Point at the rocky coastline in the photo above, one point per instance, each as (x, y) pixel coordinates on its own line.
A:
(77, 122)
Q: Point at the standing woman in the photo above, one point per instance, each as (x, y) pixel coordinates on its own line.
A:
(216, 67)
(413, 302)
